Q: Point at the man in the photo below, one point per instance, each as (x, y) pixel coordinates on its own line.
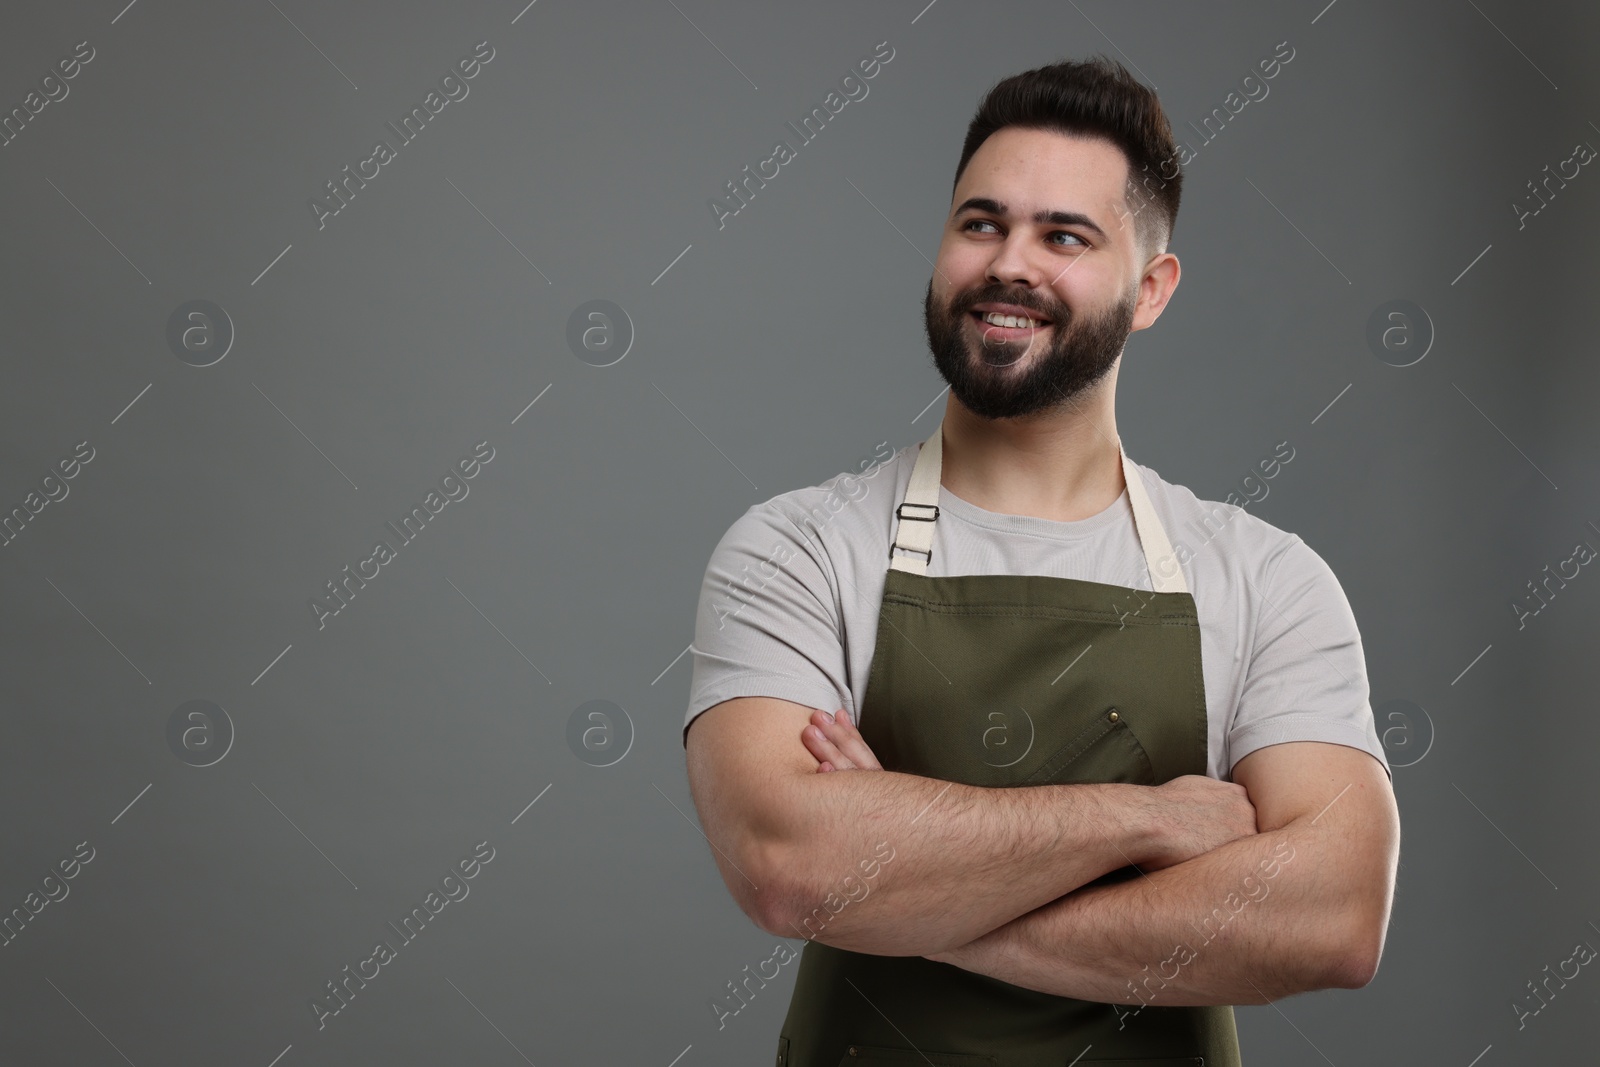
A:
(1089, 784)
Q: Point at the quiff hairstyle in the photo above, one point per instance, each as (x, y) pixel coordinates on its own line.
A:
(1094, 98)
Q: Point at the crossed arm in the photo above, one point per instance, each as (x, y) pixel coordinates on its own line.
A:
(895, 864)
(1302, 904)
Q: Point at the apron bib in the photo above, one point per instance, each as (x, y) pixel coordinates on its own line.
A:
(1012, 680)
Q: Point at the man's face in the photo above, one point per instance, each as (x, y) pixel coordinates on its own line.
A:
(1039, 230)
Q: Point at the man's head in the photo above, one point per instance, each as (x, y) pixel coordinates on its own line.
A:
(1063, 204)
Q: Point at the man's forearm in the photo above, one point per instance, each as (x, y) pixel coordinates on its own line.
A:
(948, 862)
(1255, 919)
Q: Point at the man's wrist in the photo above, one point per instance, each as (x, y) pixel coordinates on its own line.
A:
(1131, 823)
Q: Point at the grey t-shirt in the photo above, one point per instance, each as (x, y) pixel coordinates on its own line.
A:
(789, 603)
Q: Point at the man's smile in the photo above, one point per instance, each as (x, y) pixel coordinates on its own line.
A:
(998, 326)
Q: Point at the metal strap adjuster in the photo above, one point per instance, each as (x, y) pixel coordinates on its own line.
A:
(902, 516)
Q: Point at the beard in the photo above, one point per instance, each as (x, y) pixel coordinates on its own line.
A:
(1069, 355)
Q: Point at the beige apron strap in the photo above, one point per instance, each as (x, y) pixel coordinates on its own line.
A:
(1152, 535)
(917, 512)
(912, 548)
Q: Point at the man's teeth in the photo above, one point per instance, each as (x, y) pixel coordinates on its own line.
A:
(994, 318)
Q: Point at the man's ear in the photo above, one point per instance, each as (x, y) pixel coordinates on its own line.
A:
(1156, 285)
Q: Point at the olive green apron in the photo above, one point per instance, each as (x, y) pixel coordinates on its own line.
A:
(1011, 680)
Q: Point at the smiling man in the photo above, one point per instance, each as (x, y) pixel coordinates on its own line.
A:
(1122, 784)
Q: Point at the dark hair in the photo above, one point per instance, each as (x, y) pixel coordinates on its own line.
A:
(1094, 98)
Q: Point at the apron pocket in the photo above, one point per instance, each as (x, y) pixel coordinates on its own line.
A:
(881, 1056)
(1103, 751)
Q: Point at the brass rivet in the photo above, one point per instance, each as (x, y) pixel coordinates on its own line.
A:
(1113, 716)
(852, 1050)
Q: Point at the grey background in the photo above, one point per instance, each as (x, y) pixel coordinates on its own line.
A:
(372, 754)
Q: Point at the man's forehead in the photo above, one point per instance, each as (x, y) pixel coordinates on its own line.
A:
(1030, 171)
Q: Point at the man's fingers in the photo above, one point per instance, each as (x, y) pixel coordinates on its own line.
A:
(846, 738)
(823, 749)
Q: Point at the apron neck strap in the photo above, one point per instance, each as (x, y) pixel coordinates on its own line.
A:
(912, 549)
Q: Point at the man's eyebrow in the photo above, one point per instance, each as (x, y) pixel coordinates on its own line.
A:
(1042, 217)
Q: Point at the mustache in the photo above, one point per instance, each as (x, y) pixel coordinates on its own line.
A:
(991, 295)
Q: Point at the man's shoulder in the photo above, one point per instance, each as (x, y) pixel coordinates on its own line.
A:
(850, 506)
(1216, 530)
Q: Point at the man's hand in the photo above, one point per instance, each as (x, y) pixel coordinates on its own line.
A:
(836, 743)
(1198, 814)
(1323, 926)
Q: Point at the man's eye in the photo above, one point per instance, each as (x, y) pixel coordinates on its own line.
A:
(976, 222)
(1064, 233)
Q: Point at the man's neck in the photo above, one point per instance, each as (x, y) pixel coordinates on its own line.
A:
(1061, 466)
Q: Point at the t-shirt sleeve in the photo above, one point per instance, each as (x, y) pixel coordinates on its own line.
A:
(1307, 677)
(768, 619)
